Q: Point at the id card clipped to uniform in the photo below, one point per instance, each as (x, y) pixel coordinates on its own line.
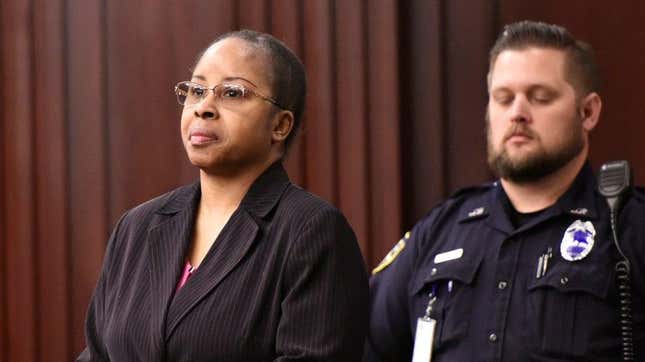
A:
(423, 340)
(424, 336)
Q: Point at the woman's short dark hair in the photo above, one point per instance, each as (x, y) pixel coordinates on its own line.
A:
(289, 82)
(582, 69)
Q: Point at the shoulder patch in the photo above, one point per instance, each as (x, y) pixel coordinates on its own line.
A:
(389, 258)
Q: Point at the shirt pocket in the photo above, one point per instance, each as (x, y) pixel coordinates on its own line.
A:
(453, 282)
(568, 307)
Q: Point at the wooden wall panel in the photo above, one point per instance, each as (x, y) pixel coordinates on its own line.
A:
(444, 65)
(130, 113)
(469, 35)
(383, 102)
(253, 14)
(423, 138)
(350, 93)
(19, 200)
(143, 126)
(3, 236)
(52, 267)
(320, 127)
(4, 325)
(163, 155)
(89, 194)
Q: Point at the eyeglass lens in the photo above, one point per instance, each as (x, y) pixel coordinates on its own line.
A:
(189, 93)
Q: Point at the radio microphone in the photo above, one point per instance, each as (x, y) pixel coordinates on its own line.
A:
(615, 184)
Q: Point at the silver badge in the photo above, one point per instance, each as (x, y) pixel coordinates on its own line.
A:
(578, 240)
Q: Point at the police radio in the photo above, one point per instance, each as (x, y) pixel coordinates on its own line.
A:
(615, 184)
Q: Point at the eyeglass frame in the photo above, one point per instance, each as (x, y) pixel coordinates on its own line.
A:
(212, 89)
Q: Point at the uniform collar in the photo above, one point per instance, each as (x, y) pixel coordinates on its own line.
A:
(259, 200)
(578, 201)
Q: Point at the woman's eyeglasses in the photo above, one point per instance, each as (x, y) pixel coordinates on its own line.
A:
(229, 95)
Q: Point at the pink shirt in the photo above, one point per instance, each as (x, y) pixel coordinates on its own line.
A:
(188, 271)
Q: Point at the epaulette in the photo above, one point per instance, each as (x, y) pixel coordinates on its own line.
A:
(467, 191)
(471, 202)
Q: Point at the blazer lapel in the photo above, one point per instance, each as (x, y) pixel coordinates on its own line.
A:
(168, 240)
(232, 244)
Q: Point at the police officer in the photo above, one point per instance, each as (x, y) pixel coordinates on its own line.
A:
(522, 269)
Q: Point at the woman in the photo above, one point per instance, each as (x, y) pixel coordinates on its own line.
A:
(242, 265)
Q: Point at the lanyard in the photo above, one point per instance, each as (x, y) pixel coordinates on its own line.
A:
(432, 298)
(424, 335)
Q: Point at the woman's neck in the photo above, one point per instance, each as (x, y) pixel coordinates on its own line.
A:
(222, 192)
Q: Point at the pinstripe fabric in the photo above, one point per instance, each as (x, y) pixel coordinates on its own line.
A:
(284, 281)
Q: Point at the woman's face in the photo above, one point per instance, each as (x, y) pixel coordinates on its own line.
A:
(230, 133)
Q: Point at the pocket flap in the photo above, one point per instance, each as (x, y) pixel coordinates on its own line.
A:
(463, 270)
(569, 277)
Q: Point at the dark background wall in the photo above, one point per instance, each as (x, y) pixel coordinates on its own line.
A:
(89, 124)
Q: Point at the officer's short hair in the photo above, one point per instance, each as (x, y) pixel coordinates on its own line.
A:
(287, 74)
(582, 70)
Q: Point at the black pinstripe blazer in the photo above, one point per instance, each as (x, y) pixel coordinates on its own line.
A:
(284, 281)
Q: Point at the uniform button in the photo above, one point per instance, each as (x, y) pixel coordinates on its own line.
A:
(433, 271)
(502, 285)
(564, 280)
(492, 337)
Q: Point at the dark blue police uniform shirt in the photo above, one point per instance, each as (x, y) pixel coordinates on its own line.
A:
(498, 309)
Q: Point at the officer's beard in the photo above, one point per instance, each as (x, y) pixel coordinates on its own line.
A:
(538, 164)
